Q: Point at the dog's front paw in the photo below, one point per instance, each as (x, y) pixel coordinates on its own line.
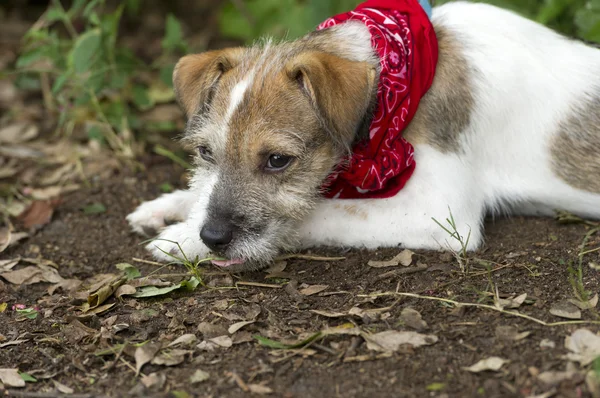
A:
(178, 242)
(151, 217)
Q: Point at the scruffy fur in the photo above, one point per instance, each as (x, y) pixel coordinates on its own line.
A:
(511, 124)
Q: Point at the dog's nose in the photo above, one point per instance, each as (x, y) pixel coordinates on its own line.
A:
(216, 237)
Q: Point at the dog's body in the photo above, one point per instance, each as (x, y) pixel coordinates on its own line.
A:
(511, 124)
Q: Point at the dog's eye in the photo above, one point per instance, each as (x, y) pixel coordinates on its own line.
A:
(278, 162)
(205, 153)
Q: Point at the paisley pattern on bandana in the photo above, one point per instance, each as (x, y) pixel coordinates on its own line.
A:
(405, 41)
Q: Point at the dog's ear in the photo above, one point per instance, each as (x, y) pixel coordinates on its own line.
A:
(195, 77)
(341, 91)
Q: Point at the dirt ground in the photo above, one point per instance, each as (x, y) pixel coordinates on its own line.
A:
(526, 255)
(71, 325)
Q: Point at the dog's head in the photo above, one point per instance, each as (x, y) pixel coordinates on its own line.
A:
(269, 123)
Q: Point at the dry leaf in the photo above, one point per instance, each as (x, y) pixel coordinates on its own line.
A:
(222, 341)
(184, 340)
(67, 285)
(583, 305)
(38, 214)
(510, 333)
(32, 274)
(5, 234)
(564, 309)
(18, 132)
(62, 388)
(145, 354)
(330, 314)
(584, 346)
(170, 357)
(7, 265)
(210, 330)
(390, 341)
(156, 380)
(404, 258)
(11, 378)
(554, 378)
(491, 363)
(412, 318)
(98, 296)
(124, 290)
(237, 326)
(313, 289)
(259, 389)
(513, 302)
(199, 376)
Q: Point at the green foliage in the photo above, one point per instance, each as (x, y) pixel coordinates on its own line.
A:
(90, 80)
(248, 20)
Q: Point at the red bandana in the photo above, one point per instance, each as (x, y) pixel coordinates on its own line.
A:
(404, 38)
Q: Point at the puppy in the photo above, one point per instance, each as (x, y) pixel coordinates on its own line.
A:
(336, 139)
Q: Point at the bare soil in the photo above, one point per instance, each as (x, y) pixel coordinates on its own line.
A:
(526, 255)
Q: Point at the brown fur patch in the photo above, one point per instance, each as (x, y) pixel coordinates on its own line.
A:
(195, 75)
(445, 110)
(575, 149)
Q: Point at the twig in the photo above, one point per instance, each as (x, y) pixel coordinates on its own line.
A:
(403, 271)
(238, 381)
(258, 284)
(53, 394)
(477, 305)
(308, 257)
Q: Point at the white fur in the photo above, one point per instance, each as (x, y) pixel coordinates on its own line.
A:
(527, 81)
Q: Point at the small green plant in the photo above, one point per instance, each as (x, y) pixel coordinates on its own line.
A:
(576, 274)
(193, 266)
(461, 256)
(88, 79)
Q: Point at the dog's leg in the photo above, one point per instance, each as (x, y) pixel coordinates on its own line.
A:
(153, 216)
(442, 184)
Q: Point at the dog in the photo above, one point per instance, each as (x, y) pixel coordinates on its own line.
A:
(508, 121)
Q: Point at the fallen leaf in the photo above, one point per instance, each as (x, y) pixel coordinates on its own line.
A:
(313, 289)
(491, 363)
(38, 214)
(67, 285)
(153, 291)
(125, 290)
(412, 318)
(27, 377)
(513, 302)
(99, 296)
(554, 378)
(49, 192)
(584, 346)
(11, 378)
(184, 340)
(32, 274)
(237, 326)
(7, 265)
(199, 376)
(583, 305)
(94, 208)
(222, 341)
(131, 272)
(259, 389)
(330, 314)
(62, 388)
(145, 354)
(564, 309)
(404, 258)
(5, 234)
(390, 341)
(156, 380)
(170, 357)
(510, 333)
(547, 343)
(18, 132)
(210, 330)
